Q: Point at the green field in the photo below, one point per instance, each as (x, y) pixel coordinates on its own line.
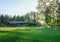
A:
(29, 34)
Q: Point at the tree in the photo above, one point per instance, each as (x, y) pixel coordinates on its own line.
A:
(2, 19)
(30, 17)
(14, 18)
(6, 19)
(33, 16)
(18, 18)
(27, 17)
(58, 14)
(47, 8)
(22, 18)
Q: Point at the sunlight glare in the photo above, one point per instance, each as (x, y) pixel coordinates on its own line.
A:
(47, 3)
(51, 0)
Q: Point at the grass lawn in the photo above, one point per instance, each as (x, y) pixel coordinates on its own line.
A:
(29, 34)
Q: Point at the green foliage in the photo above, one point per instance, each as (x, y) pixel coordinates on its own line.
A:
(30, 17)
(58, 14)
(51, 12)
(2, 19)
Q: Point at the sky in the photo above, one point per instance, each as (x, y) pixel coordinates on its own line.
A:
(17, 7)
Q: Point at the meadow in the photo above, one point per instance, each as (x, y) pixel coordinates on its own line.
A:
(29, 34)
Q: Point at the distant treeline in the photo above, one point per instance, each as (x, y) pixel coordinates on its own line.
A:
(28, 17)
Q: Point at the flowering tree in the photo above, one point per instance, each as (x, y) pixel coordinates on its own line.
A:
(48, 8)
